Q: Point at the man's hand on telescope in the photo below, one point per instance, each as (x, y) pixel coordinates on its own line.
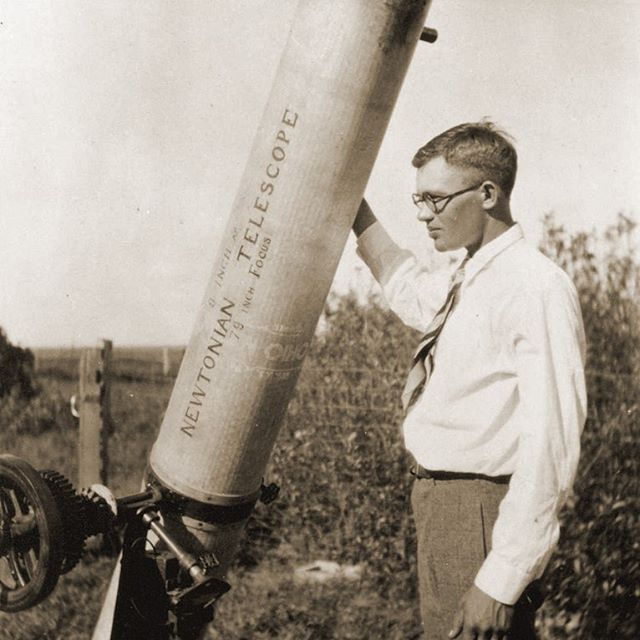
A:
(480, 616)
(364, 219)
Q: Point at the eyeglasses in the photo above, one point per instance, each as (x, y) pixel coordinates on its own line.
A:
(437, 204)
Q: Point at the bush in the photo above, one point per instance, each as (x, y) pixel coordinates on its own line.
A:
(43, 412)
(16, 369)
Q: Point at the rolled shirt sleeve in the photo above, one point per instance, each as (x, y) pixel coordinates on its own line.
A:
(548, 347)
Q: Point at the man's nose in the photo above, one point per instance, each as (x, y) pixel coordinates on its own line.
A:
(425, 214)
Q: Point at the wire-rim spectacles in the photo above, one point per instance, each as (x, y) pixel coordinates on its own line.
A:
(437, 204)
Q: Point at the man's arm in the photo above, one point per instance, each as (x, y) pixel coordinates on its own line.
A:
(364, 219)
(546, 338)
(547, 342)
(413, 293)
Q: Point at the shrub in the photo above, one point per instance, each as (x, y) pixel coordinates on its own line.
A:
(43, 412)
(16, 369)
(340, 456)
(23, 409)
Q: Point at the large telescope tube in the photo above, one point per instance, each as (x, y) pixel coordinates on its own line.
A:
(335, 87)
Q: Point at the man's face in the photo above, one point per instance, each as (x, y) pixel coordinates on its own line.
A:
(462, 222)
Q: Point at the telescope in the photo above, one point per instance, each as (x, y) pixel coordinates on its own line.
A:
(337, 81)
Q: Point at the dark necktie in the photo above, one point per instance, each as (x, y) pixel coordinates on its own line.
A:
(423, 358)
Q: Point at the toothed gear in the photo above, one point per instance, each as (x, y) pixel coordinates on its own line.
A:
(72, 511)
(98, 514)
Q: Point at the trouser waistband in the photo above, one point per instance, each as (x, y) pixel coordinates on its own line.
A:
(420, 472)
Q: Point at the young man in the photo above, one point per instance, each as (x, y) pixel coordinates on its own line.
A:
(495, 395)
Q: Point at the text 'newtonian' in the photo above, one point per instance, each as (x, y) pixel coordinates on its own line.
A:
(208, 361)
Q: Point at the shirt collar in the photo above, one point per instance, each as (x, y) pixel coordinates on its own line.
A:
(483, 256)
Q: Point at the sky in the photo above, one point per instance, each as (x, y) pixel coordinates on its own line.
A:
(125, 127)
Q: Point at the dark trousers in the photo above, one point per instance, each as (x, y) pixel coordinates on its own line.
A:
(454, 520)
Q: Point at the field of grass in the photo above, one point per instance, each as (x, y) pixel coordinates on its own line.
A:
(344, 478)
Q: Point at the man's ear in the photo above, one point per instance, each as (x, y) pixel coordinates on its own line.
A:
(490, 192)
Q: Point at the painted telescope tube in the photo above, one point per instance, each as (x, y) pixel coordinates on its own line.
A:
(335, 88)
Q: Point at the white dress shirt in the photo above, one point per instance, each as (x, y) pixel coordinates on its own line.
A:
(507, 393)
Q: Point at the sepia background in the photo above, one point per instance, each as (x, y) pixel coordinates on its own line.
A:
(124, 129)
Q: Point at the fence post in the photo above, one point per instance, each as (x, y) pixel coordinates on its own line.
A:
(95, 419)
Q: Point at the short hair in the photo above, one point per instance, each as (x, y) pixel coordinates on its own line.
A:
(475, 145)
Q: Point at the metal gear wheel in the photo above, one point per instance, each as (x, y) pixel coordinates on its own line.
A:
(73, 514)
(31, 536)
(98, 514)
